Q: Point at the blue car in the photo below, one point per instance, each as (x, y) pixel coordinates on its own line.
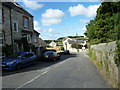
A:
(18, 60)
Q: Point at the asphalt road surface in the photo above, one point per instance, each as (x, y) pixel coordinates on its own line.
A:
(71, 71)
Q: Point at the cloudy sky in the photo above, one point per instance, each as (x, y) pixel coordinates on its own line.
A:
(58, 19)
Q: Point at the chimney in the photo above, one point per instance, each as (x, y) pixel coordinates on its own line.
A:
(8, 0)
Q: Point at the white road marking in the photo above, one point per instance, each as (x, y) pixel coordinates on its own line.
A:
(59, 64)
(31, 80)
(55, 66)
(44, 72)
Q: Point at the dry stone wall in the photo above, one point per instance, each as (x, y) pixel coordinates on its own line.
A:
(104, 54)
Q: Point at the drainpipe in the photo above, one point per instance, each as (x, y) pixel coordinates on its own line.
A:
(66, 45)
(11, 30)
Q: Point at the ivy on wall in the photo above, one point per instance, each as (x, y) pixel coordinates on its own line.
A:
(117, 54)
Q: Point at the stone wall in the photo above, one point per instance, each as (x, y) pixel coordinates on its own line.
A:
(6, 26)
(103, 55)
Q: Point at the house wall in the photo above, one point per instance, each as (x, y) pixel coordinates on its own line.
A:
(53, 44)
(6, 26)
(35, 43)
(16, 16)
(67, 44)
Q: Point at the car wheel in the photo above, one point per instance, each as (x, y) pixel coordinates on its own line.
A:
(18, 67)
(59, 58)
(35, 62)
(54, 59)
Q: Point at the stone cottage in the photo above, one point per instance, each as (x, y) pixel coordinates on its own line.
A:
(17, 31)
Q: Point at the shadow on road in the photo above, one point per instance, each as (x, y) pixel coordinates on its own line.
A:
(39, 66)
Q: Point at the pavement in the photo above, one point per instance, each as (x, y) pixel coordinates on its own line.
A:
(71, 71)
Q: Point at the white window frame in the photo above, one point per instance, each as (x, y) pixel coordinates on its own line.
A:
(26, 22)
(35, 39)
(29, 38)
(2, 38)
(16, 26)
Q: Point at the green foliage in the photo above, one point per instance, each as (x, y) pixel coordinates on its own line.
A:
(76, 46)
(60, 39)
(104, 28)
(48, 41)
(62, 48)
(117, 53)
(76, 36)
(58, 42)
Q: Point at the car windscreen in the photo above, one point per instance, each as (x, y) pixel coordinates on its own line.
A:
(48, 53)
(16, 55)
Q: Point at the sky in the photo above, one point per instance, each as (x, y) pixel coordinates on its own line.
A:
(59, 19)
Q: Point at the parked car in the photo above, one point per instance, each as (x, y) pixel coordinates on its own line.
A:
(60, 52)
(51, 55)
(18, 60)
(66, 52)
(2, 56)
(49, 50)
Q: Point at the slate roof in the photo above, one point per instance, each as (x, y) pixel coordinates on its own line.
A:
(16, 6)
(36, 32)
(75, 41)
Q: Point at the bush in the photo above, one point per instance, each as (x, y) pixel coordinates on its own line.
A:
(76, 46)
(62, 48)
(117, 54)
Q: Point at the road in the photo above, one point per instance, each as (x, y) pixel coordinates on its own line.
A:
(71, 71)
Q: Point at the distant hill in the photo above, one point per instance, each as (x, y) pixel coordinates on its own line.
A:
(59, 40)
(48, 41)
(77, 37)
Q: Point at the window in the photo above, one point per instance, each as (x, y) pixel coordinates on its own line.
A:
(29, 38)
(15, 26)
(35, 40)
(0, 15)
(31, 54)
(2, 38)
(26, 22)
(28, 55)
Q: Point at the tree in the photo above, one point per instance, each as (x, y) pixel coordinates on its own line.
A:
(104, 27)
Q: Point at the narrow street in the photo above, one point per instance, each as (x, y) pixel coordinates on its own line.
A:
(71, 71)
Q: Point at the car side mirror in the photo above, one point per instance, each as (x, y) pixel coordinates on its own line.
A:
(19, 57)
(23, 57)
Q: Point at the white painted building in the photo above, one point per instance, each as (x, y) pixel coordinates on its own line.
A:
(53, 44)
(67, 43)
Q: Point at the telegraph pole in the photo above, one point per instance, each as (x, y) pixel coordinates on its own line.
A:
(77, 43)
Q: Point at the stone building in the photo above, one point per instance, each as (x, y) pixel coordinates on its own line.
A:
(35, 41)
(42, 45)
(17, 30)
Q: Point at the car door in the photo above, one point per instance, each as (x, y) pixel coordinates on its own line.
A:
(32, 57)
(54, 54)
(26, 59)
